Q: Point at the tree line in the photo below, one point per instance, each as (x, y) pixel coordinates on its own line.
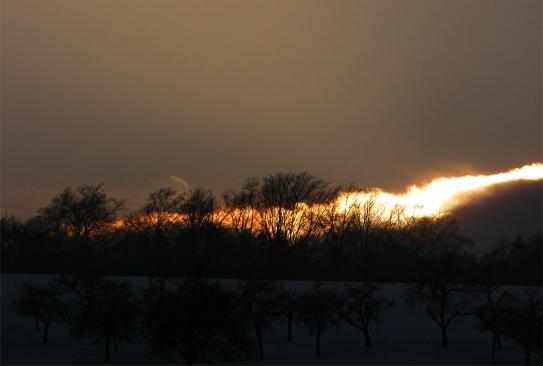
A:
(283, 226)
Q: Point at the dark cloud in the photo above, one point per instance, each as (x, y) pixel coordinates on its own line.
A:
(502, 212)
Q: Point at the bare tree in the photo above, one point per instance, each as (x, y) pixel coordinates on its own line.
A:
(154, 227)
(443, 304)
(360, 307)
(523, 322)
(439, 288)
(338, 230)
(43, 303)
(11, 228)
(161, 211)
(369, 218)
(195, 318)
(288, 304)
(198, 209)
(318, 312)
(12, 231)
(285, 205)
(81, 214)
(103, 311)
(490, 315)
(258, 306)
(242, 209)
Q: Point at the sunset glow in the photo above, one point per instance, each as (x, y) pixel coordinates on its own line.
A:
(435, 198)
(442, 194)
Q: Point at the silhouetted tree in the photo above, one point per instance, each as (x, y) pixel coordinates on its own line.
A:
(104, 310)
(82, 213)
(198, 209)
(523, 322)
(197, 319)
(85, 288)
(242, 219)
(359, 306)
(337, 223)
(369, 220)
(159, 213)
(11, 234)
(318, 312)
(284, 202)
(288, 304)
(242, 208)
(155, 226)
(258, 306)
(525, 265)
(44, 303)
(492, 268)
(75, 218)
(440, 287)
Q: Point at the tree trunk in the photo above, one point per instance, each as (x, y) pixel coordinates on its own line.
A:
(444, 342)
(318, 344)
(527, 352)
(367, 339)
(191, 358)
(114, 343)
(494, 343)
(107, 348)
(499, 340)
(290, 316)
(37, 324)
(260, 345)
(45, 332)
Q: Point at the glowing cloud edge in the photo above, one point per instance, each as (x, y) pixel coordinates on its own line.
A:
(440, 194)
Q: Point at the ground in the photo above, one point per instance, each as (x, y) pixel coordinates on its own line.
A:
(401, 337)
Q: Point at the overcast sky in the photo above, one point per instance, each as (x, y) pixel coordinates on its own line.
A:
(378, 92)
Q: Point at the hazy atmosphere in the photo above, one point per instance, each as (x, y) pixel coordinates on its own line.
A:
(380, 93)
(289, 182)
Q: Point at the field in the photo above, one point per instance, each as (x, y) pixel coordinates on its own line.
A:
(401, 337)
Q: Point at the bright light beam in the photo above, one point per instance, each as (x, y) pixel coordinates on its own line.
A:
(440, 194)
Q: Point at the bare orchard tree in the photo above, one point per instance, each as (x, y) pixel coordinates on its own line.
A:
(288, 305)
(258, 306)
(442, 301)
(103, 310)
(523, 322)
(318, 312)
(195, 318)
(440, 287)
(44, 303)
(490, 274)
(360, 306)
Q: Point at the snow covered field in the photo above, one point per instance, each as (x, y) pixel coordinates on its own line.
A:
(402, 337)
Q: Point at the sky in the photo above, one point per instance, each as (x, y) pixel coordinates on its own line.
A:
(381, 93)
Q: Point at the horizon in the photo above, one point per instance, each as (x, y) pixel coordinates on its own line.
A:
(367, 174)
